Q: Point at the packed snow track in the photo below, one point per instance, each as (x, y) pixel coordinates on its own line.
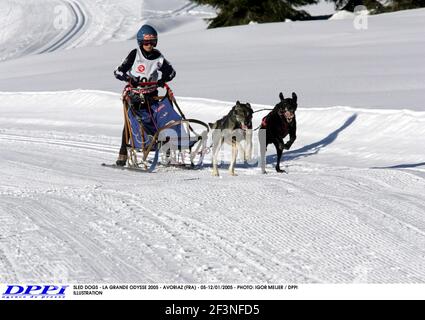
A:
(78, 26)
(63, 217)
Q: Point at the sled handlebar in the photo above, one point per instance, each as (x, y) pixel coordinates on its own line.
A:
(142, 84)
(152, 83)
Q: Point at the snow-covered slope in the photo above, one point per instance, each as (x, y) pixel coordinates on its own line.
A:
(326, 62)
(33, 26)
(23, 33)
(351, 208)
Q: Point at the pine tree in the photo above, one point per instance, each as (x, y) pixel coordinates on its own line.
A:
(237, 12)
(374, 6)
(405, 4)
(378, 6)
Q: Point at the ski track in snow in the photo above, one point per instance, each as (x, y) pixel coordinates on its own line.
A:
(78, 26)
(84, 23)
(63, 217)
(350, 210)
(56, 32)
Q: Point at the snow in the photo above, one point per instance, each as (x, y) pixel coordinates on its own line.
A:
(327, 63)
(96, 22)
(350, 209)
(322, 8)
(342, 15)
(340, 201)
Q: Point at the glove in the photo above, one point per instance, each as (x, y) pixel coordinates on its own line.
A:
(120, 76)
(160, 83)
(134, 81)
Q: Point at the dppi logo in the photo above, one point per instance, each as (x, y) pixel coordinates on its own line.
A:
(45, 292)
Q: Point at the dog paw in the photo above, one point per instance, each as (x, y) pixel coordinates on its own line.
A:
(279, 170)
(215, 174)
(264, 172)
(233, 174)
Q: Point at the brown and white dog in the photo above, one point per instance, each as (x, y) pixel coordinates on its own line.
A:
(232, 129)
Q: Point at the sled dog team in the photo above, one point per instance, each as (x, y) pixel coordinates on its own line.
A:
(236, 126)
(143, 64)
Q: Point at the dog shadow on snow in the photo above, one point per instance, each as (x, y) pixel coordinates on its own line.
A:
(402, 166)
(313, 148)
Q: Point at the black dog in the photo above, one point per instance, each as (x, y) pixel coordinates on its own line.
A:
(277, 125)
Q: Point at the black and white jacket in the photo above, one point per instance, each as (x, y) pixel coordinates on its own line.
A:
(145, 66)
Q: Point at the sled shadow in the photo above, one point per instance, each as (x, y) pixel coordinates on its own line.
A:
(402, 166)
(314, 148)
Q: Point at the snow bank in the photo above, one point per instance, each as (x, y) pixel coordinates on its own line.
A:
(341, 136)
(327, 63)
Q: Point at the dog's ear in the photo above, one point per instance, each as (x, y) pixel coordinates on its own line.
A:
(238, 103)
(281, 96)
(294, 97)
(249, 106)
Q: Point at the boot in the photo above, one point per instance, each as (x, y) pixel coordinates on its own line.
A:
(122, 160)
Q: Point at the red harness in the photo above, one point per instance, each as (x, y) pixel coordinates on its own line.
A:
(284, 129)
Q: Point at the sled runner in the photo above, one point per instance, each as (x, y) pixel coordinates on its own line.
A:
(159, 133)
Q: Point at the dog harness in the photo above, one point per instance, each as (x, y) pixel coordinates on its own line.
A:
(284, 129)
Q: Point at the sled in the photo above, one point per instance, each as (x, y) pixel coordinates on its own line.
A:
(160, 133)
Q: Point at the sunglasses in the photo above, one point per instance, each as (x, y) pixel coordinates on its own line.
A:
(150, 42)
